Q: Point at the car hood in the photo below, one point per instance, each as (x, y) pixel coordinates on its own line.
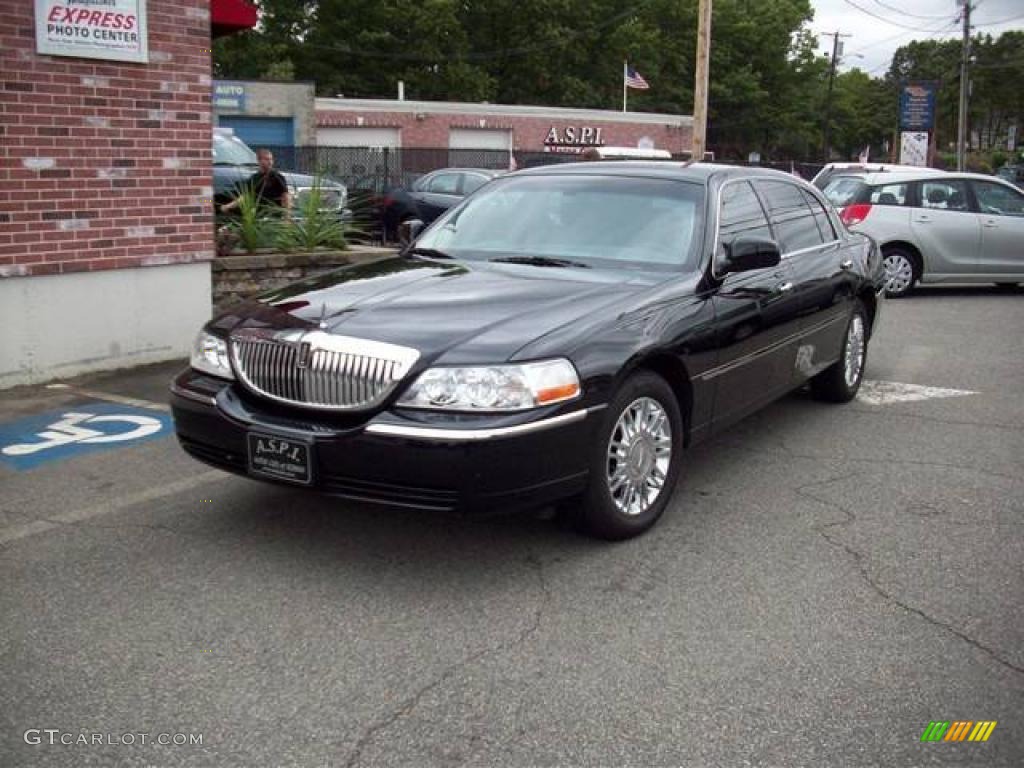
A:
(453, 312)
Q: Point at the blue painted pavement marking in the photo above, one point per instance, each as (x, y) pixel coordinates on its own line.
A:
(76, 430)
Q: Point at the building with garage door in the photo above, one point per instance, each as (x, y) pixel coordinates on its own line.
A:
(105, 180)
(403, 124)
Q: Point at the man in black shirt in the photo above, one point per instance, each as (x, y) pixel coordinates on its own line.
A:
(267, 184)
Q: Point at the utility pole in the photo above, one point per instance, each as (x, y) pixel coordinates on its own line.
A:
(700, 85)
(965, 54)
(827, 130)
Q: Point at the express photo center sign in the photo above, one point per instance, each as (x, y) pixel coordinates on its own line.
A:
(94, 29)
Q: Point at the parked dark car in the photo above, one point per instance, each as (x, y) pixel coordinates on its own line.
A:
(234, 162)
(431, 195)
(563, 334)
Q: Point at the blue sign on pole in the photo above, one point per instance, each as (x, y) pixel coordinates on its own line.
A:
(917, 105)
(228, 96)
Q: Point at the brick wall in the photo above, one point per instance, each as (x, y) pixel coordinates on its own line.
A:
(528, 133)
(105, 165)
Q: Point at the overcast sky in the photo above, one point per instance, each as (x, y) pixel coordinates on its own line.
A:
(876, 37)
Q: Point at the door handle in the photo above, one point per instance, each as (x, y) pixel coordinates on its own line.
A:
(922, 218)
(784, 287)
(845, 265)
(992, 224)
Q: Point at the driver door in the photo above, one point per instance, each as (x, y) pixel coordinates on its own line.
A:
(756, 314)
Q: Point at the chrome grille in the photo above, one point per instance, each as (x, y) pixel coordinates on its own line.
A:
(317, 369)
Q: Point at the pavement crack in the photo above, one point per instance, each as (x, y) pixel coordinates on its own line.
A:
(410, 703)
(860, 562)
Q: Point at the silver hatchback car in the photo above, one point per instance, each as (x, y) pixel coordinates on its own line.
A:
(947, 228)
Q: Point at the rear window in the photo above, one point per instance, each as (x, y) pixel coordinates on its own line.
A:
(843, 190)
(889, 194)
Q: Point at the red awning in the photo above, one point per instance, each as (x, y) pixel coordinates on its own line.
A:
(230, 16)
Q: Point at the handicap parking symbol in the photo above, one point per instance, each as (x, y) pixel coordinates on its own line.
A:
(79, 429)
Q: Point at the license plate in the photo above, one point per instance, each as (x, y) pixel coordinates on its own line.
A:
(281, 458)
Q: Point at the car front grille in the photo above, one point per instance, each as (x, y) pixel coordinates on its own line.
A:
(319, 370)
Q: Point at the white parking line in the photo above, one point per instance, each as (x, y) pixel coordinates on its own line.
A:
(110, 397)
(15, 532)
(889, 392)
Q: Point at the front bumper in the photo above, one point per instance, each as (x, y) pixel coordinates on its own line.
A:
(421, 460)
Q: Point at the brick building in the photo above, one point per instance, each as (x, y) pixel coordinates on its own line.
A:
(105, 230)
(454, 125)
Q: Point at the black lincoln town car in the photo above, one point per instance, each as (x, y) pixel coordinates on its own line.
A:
(561, 335)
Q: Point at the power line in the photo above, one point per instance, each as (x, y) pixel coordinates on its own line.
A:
(907, 13)
(874, 15)
(1001, 21)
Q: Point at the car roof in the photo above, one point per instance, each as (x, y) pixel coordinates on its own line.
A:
(683, 171)
(891, 176)
(484, 171)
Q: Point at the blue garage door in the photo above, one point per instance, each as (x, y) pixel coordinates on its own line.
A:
(261, 131)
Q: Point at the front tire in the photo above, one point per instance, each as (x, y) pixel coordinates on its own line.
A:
(635, 460)
(840, 382)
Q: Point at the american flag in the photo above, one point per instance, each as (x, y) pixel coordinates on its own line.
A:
(634, 79)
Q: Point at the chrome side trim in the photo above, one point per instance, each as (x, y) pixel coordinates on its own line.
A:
(712, 373)
(188, 394)
(436, 434)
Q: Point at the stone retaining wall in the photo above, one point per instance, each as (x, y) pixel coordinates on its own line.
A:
(240, 277)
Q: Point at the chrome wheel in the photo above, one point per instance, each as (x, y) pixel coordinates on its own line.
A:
(639, 455)
(853, 361)
(899, 272)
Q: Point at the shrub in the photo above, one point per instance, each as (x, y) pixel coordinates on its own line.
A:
(256, 226)
(310, 226)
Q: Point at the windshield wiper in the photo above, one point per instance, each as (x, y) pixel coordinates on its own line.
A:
(541, 261)
(433, 253)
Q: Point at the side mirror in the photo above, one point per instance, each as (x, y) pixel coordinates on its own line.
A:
(746, 253)
(409, 230)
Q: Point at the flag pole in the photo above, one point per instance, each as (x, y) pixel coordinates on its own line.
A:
(625, 68)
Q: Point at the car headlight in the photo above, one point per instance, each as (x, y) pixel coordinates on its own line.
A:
(494, 387)
(210, 355)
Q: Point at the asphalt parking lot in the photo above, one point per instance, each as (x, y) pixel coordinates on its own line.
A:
(828, 581)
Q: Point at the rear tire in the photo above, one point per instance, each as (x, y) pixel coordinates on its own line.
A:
(840, 382)
(635, 461)
(902, 271)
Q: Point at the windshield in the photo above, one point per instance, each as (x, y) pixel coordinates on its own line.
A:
(600, 221)
(843, 190)
(230, 150)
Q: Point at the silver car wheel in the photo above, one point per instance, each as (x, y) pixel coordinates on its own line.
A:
(853, 361)
(899, 273)
(639, 455)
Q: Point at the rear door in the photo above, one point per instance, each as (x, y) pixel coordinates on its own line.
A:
(1001, 215)
(822, 285)
(756, 316)
(438, 192)
(944, 226)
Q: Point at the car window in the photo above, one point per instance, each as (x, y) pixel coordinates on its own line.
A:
(471, 182)
(843, 190)
(889, 194)
(998, 200)
(601, 221)
(443, 184)
(821, 218)
(944, 195)
(740, 215)
(791, 218)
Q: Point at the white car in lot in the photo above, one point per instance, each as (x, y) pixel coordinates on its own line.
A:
(936, 228)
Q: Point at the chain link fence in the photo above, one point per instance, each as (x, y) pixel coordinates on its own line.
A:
(375, 170)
